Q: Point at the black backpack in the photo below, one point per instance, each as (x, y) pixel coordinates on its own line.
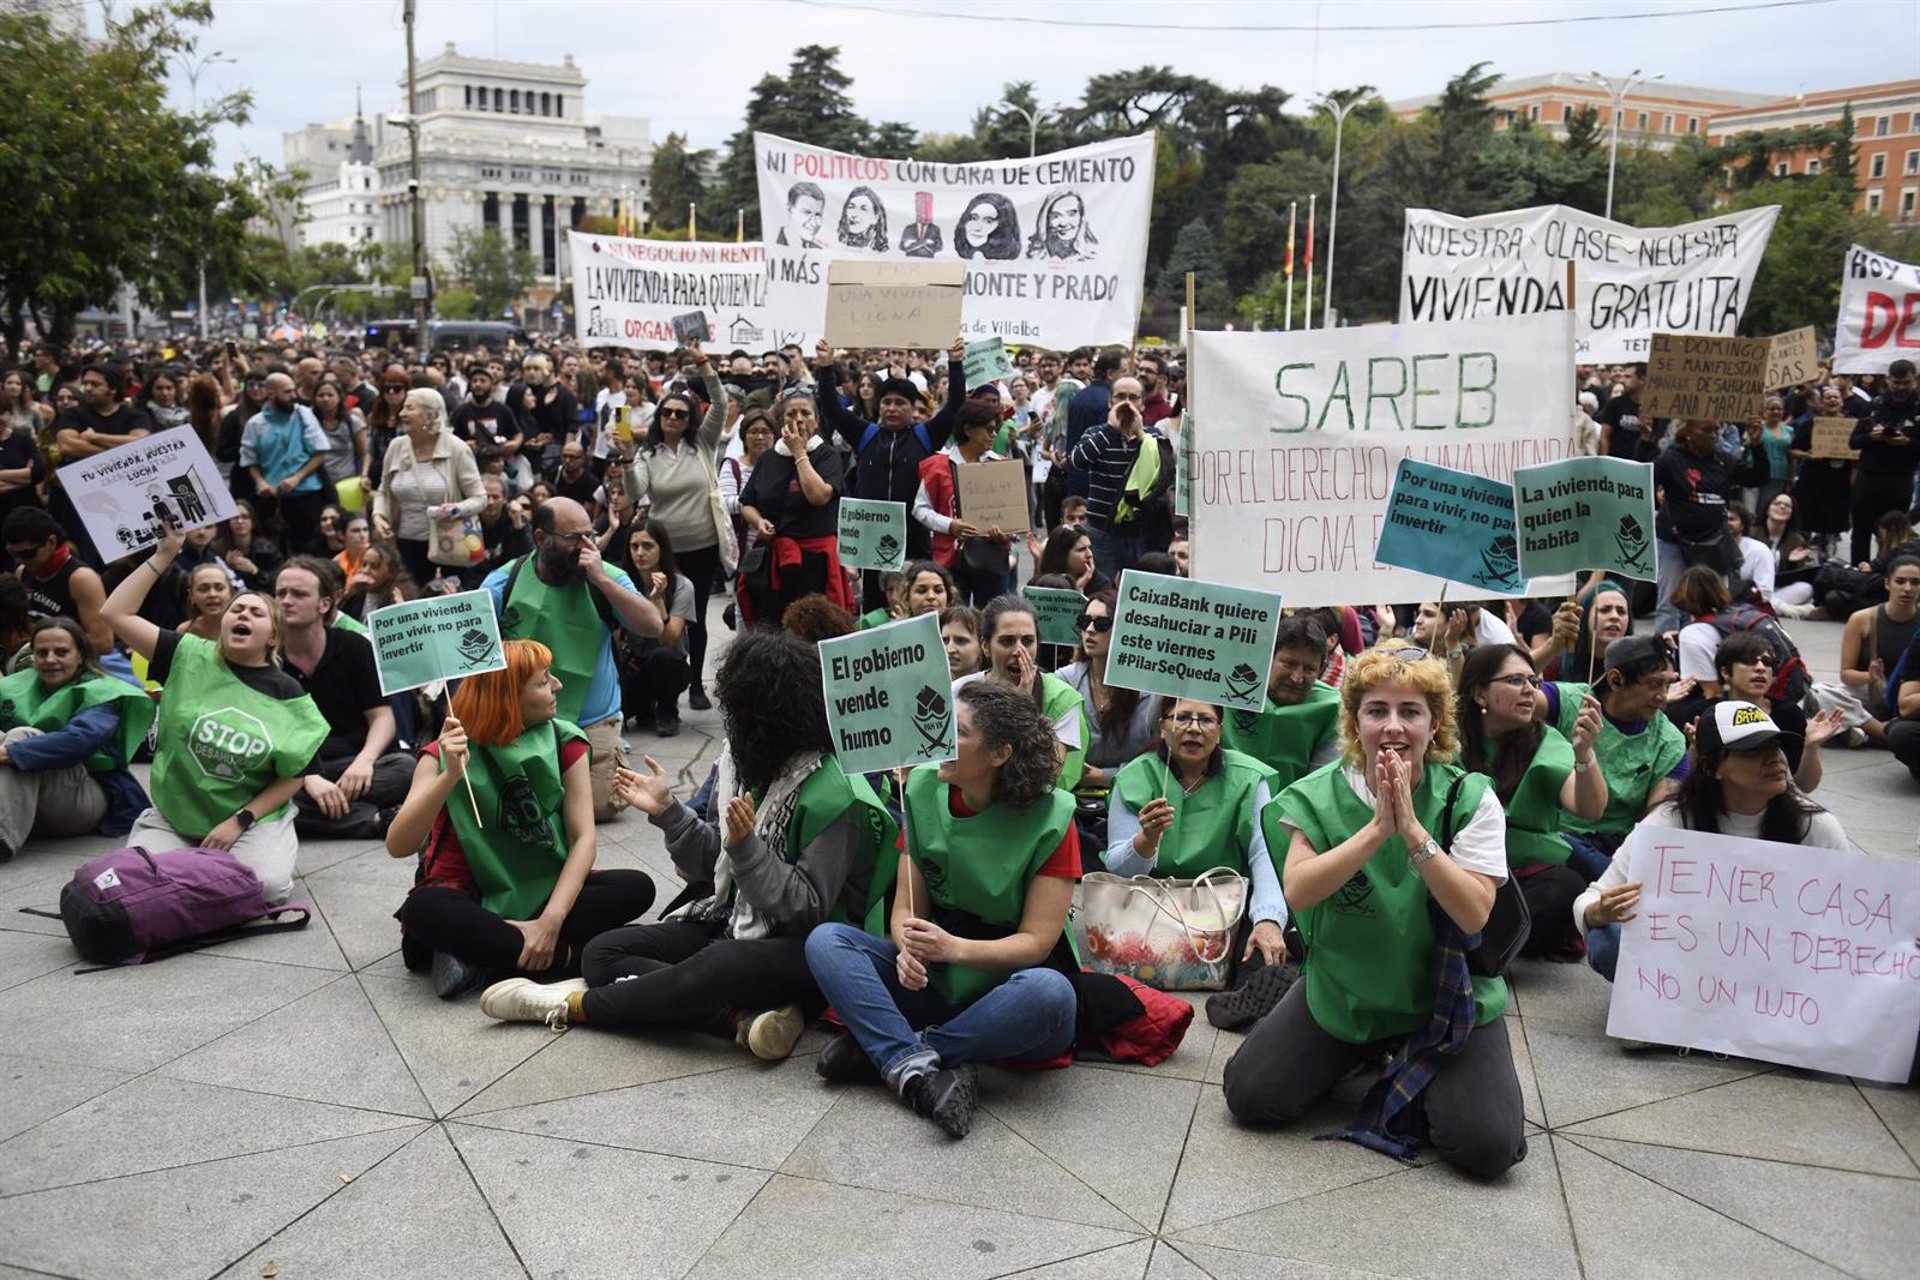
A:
(1791, 679)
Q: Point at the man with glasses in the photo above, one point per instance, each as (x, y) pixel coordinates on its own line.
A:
(1299, 728)
(1129, 472)
(58, 584)
(572, 601)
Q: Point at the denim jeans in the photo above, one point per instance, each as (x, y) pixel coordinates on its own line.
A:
(1670, 564)
(1603, 949)
(1029, 1016)
(1589, 859)
(1114, 552)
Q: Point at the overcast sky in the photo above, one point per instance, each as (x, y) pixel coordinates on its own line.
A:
(689, 67)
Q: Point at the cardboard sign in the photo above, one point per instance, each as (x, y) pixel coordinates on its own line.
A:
(691, 327)
(124, 494)
(1453, 525)
(1879, 320)
(1056, 609)
(1785, 953)
(986, 361)
(994, 493)
(889, 695)
(435, 638)
(1718, 379)
(1586, 513)
(1829, 439)
(873, 535)
(894, 304)
(1792, 358)
(1186, 639)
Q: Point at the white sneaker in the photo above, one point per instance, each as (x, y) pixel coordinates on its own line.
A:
(524, 1000)
(771, 1033)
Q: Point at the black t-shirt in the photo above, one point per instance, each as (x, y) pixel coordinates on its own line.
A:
(1536, 619)
(580, 488)
(1897, 451)
(488, 423)
(1694, 494)
(345, 685)
(1622, 414)
(270, 680)
(774, 491)
(124, 421)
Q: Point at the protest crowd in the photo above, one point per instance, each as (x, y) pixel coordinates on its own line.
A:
(1431, 788)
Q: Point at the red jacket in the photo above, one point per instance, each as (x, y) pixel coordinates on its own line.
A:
(936, 476)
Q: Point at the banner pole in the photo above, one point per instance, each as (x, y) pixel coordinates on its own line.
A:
(1293, 219)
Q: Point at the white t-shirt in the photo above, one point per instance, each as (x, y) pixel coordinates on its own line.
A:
(1066, 729)
(1699, 641)
(1490, 628)
(1756, 565)
(1480, 845)
(1823, 832)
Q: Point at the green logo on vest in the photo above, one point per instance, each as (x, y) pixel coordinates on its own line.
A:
(225, 743)
(520, 815)
(1246, 721)
(510, 621)
(1352, 896)
(6, 708)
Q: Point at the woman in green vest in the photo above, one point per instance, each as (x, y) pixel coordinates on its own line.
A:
(1299, 728)
(794, 843)
(70, 730)
(1010, 636)
(1387, 913)
(501, 814)
(1190, 805)
(975, 965)
(1539, 774)
(236, 732)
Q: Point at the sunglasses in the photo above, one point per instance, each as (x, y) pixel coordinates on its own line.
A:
(672, 413)
(1087, 621)
(1408, 654)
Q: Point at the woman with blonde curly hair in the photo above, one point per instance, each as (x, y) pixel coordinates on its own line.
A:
(501, 814)
(1393, 855)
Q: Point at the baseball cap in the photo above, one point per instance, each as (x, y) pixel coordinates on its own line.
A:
(1736, 727)
(1632, 651)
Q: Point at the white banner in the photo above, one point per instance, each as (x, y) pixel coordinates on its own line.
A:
(1779, 952)
(1055, 246)
(1879, 313)
(123, 494)
(1300, 435)
(645, 293)
(1628, 281)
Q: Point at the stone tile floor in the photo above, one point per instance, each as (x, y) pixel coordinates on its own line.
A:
(301, 1106)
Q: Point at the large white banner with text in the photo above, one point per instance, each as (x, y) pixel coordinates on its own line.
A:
(1055, 246)
(648, 294)
(1879, 313)
(1628, 281)
(1299, 436)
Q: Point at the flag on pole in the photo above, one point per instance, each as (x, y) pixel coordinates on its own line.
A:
(1293, 219)
(693, 219)
(739, 226)
(1312, 198)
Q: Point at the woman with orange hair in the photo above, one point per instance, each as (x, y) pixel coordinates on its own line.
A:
(506, 882)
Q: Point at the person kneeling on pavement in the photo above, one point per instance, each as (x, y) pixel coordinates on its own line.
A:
(506, 881)
(802, 846)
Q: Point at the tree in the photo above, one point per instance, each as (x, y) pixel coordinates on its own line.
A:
(1840, 156)
(676, 182)
(1193, 252)
(495, 274)
(809, 104)
(109, 186)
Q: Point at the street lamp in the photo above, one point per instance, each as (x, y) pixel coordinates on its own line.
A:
(1618, 91)
(1033, 124)
(1339, 109)
(192, 69)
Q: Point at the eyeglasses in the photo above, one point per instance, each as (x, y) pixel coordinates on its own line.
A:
(1087, 621)
(1518, 680)
(672, 413)
(1194, 720)
(568, 539)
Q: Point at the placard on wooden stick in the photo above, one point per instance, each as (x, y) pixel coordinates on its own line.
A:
(894, 304)
(1717, 379)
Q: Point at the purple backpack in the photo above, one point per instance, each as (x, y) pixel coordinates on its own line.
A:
(131, 906)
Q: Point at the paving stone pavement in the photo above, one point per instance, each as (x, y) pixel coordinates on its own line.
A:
(300, 1106)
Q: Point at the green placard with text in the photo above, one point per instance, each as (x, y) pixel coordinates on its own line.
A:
(889, 695)
(435, 638)
(1585, 513)
(873, 535)
(1057, 609)
(1186, 639)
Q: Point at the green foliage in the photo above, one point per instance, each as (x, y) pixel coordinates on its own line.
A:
(488, 268)
(676, 182)
(457, 304)
(809, 104)
(108, 184)
(1193, 252)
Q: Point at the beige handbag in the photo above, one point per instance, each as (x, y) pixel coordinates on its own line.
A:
(1174, 935)
(722, 522)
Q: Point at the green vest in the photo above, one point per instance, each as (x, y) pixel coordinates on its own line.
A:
(24, 701)
(1370, 946)
(1213, 827)
(1632, 765)
(347, 622)
(567, 621)
(874, 618)
(222, 742)
(1534, 812)
(1057, 697)
(1284, 738)
(826, 794)
(519, 789)
(978, 867)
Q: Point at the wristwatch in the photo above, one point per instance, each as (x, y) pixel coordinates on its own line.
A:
(1581, 766)
(1429, 848)
(246, 818)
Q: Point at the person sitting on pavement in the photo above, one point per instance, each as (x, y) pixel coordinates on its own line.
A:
(506, 882)
(59, 584)
(70, 730)
(801, 846)
(209, 590)
(1873, 641)
(1387, 912)
(1121, 723)
(1299, 728)
(976, 964)
(655, 670)
(358, 779)
(1010, 637)
(1744, 661)
(236, 736)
